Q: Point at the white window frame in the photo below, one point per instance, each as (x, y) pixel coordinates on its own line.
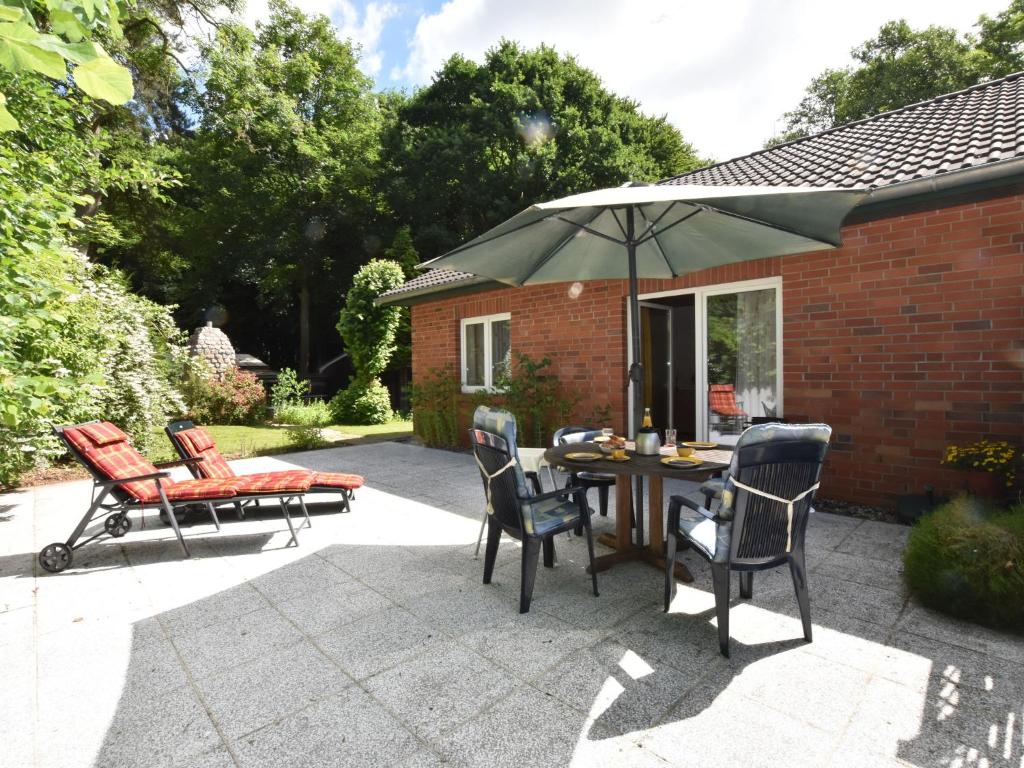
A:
(487, 320)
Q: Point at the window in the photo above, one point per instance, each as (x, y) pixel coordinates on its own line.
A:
(486, 350)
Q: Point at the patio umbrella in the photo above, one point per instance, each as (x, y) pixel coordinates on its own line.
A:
(642, 230)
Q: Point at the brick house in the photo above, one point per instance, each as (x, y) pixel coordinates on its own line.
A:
(907, 338)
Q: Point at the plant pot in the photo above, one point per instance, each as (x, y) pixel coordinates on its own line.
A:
(986, 485)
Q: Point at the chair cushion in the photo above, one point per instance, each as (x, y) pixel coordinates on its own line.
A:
(198, 444)
(195, 490)
(111, 457)
(550, 514)
(103, 433)
(709, 537)
(337, 480)
(285, 481)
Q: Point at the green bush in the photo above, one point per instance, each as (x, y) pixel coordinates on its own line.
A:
(435, 404)
(237, 397)
(362, 403)
(308, 419)
(288, 390)
(967, 559)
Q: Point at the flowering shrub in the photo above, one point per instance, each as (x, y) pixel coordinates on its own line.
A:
(985, 456)
(237, 397)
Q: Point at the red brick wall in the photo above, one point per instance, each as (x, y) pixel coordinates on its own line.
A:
(909, 337)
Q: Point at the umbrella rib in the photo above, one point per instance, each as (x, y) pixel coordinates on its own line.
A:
(622, 229)
(665, 257)
(675, 223)
(653, 224)
(590, 231)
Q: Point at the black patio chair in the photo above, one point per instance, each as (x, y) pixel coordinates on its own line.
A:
(762, 518)
(588, 480)
(516, 508)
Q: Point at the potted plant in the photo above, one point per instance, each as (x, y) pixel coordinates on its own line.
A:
(989, 466)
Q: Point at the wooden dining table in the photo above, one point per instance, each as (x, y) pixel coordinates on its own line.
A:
(627, 547)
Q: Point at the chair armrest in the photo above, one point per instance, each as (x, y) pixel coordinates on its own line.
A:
(569, 490)
(178, 462)
(121, 480)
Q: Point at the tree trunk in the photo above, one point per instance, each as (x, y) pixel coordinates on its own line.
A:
(304, 324)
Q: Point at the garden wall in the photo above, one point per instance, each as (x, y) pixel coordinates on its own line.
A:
(906, 339)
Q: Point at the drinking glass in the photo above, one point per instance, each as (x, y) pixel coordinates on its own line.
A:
(607, 431)
(670, 437)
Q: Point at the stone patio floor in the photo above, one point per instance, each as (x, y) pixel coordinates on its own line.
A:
(375, 643)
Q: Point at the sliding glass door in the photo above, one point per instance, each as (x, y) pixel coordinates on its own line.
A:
(741, 346)
(713, 358)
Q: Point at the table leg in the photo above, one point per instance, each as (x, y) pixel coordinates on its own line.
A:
(655, 520)
(623, 539)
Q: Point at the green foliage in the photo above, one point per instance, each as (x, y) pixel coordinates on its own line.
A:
(435, 406)
(536, 397)
(362, 402)
(308, 420)
(967, 559)
(280, 174)
(24, 48)
(75, 344)
(287, 391)
(368, 330)
(902, 65)
(237, 397)
(482, 142)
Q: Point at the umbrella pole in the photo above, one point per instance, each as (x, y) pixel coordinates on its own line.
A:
(636, 369)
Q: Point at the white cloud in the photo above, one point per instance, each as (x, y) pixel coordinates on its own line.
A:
(723, 72)
(364, 29)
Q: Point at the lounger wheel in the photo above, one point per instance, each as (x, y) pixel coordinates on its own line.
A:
(55, 557)
(117, 525)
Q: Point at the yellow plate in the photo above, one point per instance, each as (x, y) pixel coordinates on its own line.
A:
(602, 439)
(583, 456)
(681, 462)
(701, 446)
(612, 458)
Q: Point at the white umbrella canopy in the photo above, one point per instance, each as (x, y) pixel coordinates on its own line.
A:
(652, 231)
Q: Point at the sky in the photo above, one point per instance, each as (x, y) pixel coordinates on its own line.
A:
(723, 73)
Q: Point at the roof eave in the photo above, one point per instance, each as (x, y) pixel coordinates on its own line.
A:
(994, 174)
(436, 292)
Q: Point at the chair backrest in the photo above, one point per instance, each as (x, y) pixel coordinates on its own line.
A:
(722, 399)
(105, 451)
(783, 460)
(493, 438)
(192, 442)
(567, 435)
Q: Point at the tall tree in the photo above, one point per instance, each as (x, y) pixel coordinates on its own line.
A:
(902, 65)
(485, 140)
(280, 176)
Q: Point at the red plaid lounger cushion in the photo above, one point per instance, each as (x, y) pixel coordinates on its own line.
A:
(198, 490)
(286, 481)
(112, 456)
(337, 480)
(199, 445)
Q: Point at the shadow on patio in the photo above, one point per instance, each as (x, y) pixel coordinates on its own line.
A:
(392, 655)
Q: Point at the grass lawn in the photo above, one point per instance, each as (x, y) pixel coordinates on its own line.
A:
(236, 441)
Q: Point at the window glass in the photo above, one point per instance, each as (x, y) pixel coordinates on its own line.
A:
(501, 348)
(475, 362)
